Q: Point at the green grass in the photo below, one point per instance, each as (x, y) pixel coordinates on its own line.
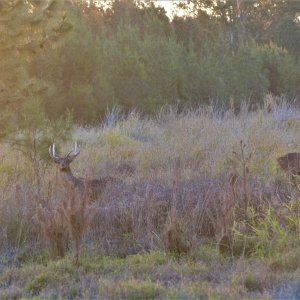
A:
(153, 275)
(38, 283)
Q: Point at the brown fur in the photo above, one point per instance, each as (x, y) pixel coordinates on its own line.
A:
(290, 163)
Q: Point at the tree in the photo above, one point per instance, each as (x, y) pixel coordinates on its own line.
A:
(286, 34)
(26, 27)
(243, 17)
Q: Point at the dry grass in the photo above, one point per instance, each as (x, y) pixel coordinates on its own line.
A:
(188, 177)
(196, 150)
(58, 214)
(78, 215)
(51, 219)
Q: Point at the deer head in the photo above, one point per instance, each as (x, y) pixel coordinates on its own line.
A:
(64, 162)
(93, 187)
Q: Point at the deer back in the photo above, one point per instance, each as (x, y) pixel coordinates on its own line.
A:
(290, 163)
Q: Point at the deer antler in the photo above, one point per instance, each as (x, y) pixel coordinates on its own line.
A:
(53, 154)
(70, 156)
(74, 152)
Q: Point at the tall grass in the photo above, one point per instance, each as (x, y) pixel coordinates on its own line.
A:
(187, 180)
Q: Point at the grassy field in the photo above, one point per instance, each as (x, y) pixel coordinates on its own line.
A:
(203, 275)
(202, 211)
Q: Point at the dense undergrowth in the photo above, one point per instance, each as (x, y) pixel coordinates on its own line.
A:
(202, 211)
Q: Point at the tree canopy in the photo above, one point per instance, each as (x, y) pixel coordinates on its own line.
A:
(82, 58)
(26, 28)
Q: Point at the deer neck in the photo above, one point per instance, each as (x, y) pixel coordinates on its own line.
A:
(68, 176)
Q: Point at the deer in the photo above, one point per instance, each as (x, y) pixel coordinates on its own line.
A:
(93, 187)
(290, 163)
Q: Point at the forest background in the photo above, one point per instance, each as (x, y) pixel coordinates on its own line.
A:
(128, 54)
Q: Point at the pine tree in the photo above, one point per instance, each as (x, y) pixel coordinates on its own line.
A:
(26, 27)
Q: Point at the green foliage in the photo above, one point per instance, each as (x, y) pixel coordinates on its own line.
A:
(253, 284)
(35, 285)
(286, 33)
(287, 260)
(141, 290)
(26, 27)
(29, 256)
(143, 263)
(281, 70)
(94, 72)
(75, 77)
(134, 57)
(38, 132)
(208, 253)
(270, 233)
(73, 292)
(107, 265)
